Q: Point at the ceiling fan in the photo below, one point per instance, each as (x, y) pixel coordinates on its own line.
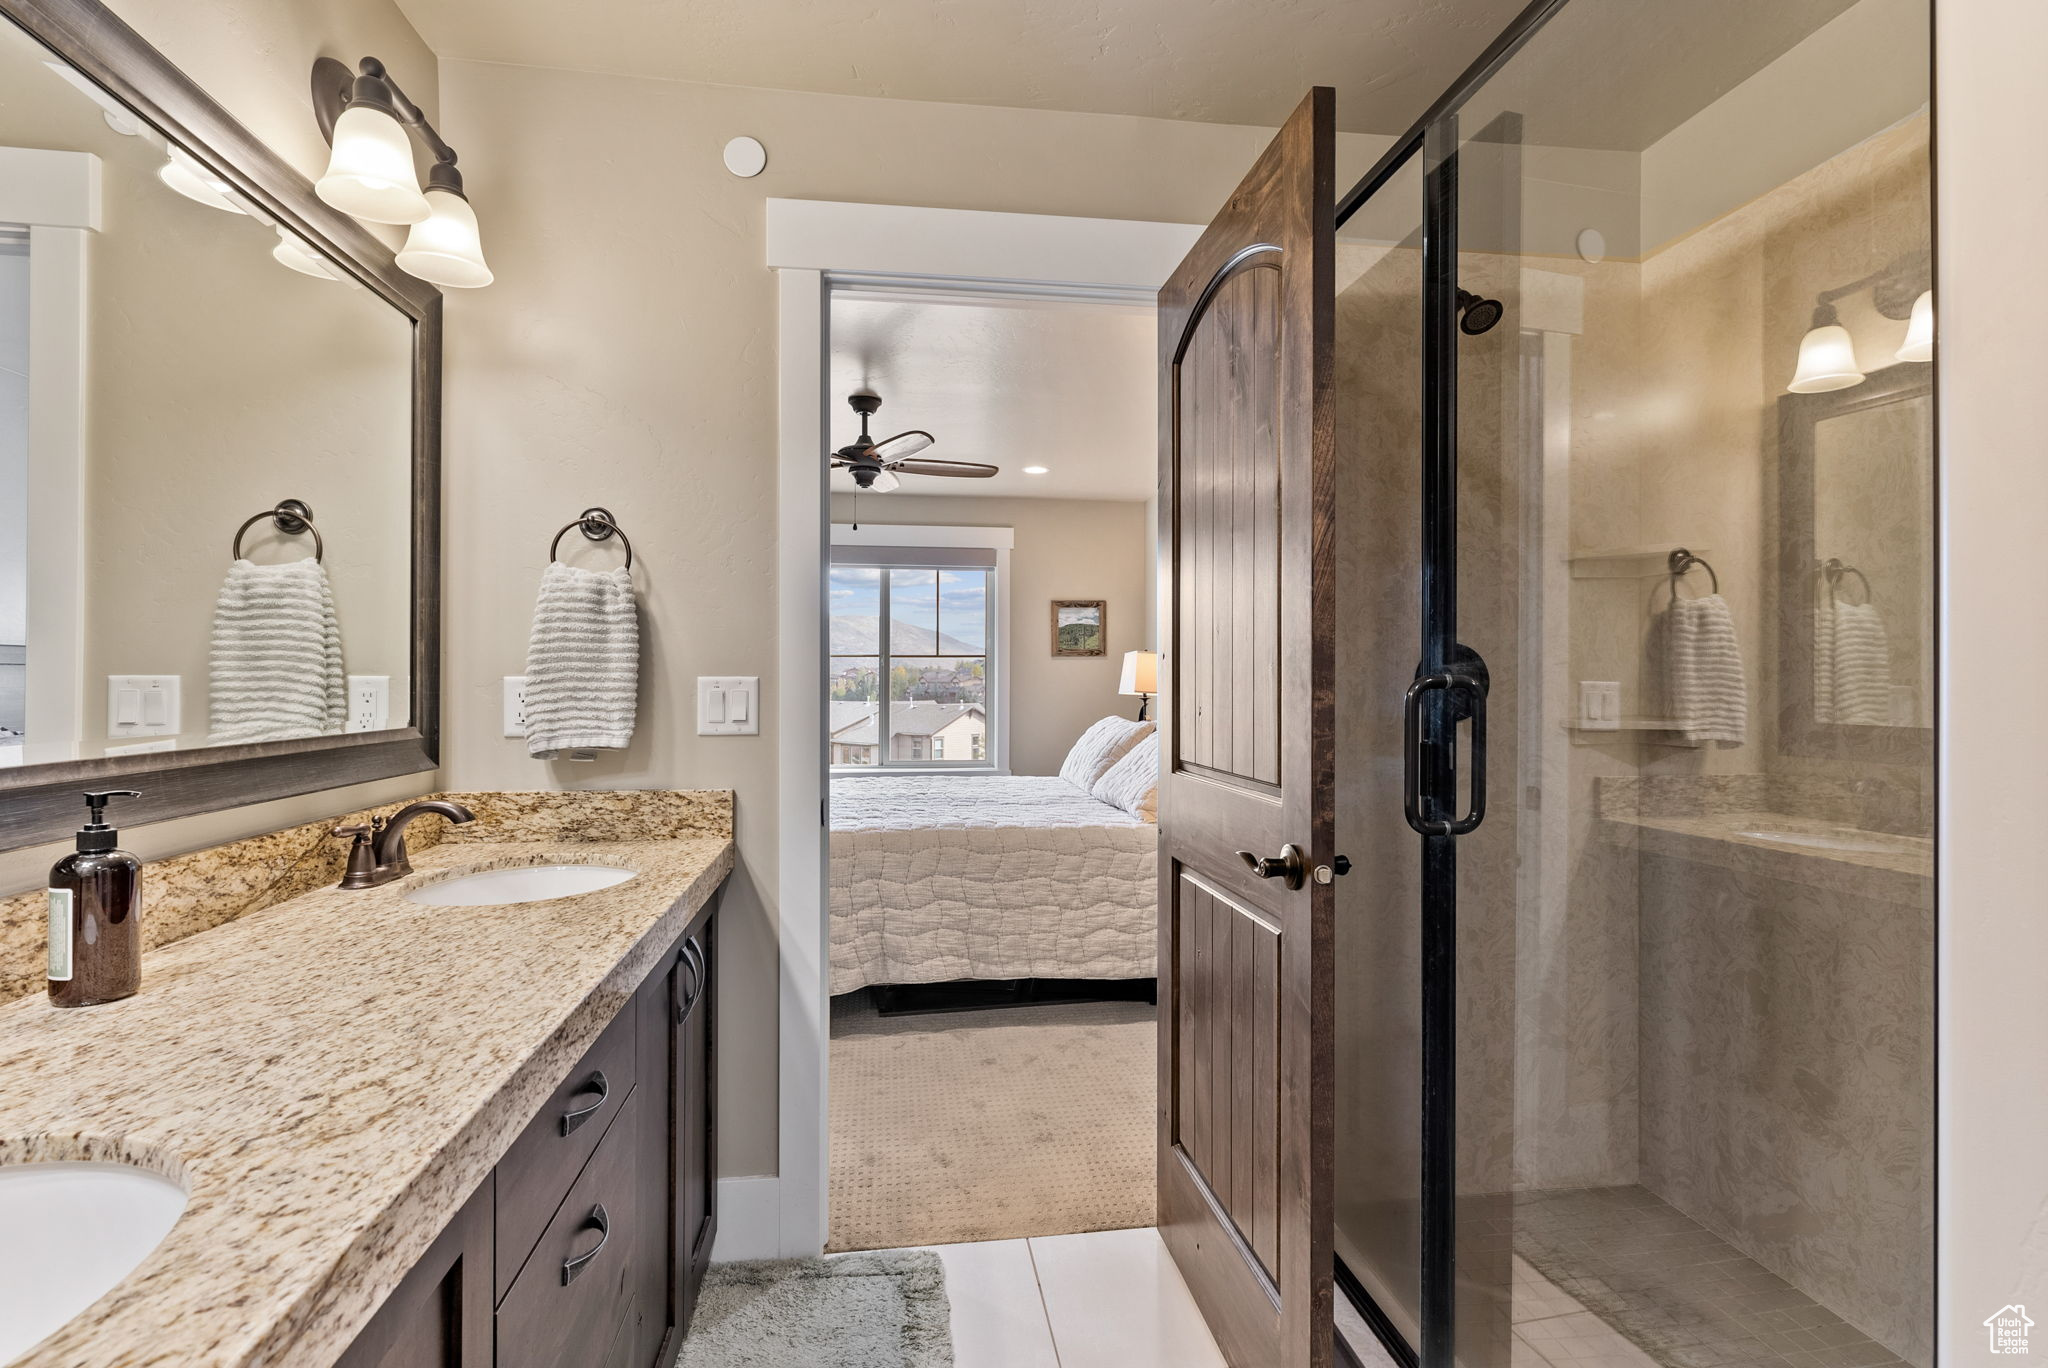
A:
(875, 465)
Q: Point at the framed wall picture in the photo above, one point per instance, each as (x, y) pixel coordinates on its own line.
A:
(1080, 627)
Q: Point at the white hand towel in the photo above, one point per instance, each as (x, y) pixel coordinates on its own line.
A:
(1703, 679)
(1861, 666)
(275, 670)
(583, 662)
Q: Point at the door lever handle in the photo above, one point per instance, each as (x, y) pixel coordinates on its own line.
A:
(1291, 866)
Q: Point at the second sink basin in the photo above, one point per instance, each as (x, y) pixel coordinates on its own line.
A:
(73, 1230)
(533, 883)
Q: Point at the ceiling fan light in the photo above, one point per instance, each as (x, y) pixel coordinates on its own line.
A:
(1038, 470)
(885, 481)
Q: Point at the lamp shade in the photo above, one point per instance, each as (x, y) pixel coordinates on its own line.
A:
(370, 173)
(292, 253)
(1827, 361)
(195, 182)
(1919, 343)
(443, 248)
(1141, 673)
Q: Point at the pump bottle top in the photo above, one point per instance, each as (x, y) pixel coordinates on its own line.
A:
(96, 834)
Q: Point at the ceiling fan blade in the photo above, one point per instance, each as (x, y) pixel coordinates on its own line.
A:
(966, 470)
(903, 444)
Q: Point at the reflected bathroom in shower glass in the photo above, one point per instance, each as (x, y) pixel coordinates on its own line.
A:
(1695, 932)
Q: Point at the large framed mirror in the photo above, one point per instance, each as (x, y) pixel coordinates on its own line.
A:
(1856, 570)
(219, 453)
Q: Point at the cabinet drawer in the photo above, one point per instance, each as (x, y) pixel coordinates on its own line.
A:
(553, 1148)
(565, 1307)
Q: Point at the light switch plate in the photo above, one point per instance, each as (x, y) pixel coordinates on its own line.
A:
(369, 703)
(142, 705)
(728, 705)
(515, 706)
(1600, 705)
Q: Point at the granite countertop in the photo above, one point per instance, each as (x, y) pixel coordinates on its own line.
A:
(330, 1078)
(1891, 868)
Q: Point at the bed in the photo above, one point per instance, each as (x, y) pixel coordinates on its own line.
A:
(937, 878)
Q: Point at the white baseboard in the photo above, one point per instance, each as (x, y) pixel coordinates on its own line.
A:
(749, 1220)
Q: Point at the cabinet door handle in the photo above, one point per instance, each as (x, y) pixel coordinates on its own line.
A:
(693, 960)
(572, 1267)
(575, 1117)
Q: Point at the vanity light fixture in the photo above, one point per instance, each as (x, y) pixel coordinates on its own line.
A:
(1919, 343)
(1827, 356)
(195, 182)
(371, 124)
(291, 252)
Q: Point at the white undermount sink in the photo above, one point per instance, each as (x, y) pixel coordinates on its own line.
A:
(533, 883)
(1819, 840)
(68, 1233)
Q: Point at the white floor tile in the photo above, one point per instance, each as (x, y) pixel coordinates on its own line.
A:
(1581, 1341)
(1537, 1297)
(998, 1317)
(1116, 1300)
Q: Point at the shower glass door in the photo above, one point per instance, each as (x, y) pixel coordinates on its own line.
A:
(1636, 434)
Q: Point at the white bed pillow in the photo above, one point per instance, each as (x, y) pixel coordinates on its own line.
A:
(1101, 746)
(1132, 783)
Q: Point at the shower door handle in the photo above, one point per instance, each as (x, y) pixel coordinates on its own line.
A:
(1474, 692)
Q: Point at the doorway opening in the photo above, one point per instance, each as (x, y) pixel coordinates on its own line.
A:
(992, 904)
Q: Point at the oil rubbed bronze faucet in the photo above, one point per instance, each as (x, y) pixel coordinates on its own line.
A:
(378, 854)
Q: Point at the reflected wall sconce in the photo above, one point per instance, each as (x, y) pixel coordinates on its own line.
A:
(196, 183)
(370, 124)
(1899, 291)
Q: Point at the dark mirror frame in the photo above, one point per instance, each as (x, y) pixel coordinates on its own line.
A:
(1800, 732)
(40, 803)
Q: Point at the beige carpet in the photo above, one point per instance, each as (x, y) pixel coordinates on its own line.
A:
(990, 1125)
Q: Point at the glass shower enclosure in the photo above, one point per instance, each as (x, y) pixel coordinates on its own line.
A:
(1637, 562)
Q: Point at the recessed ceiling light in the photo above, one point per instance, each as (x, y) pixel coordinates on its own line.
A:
(1037, 470)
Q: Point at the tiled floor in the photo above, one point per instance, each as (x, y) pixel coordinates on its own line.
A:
(1668, 1293)
(1111, 1299)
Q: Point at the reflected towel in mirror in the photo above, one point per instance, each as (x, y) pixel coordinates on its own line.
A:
(275, 671)
(582, 662)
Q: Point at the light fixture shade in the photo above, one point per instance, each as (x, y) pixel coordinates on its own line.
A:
(444, 248)
(884, 482)
(195, 182)
(370, 173)
(1141, 673)
(291, 252)
(1827, 361)
(1919, 343)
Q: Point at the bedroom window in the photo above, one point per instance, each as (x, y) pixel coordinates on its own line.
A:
(916, 693)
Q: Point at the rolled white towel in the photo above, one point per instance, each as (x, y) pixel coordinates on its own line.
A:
(582, 662)
(1703, 678)
(275, 671)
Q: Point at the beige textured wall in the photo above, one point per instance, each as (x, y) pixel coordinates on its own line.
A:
(1993, 1230)
(626, 357)
(1065, 549)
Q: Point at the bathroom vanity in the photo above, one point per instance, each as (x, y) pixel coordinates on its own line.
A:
(386, 1111)
(588, 1241)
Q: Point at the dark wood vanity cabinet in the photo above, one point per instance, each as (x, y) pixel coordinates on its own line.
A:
(586, 1245)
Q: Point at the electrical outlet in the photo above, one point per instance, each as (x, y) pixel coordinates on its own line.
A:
(369, 703)
(515, 706)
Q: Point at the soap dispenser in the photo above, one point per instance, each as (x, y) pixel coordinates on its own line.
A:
(96, 915)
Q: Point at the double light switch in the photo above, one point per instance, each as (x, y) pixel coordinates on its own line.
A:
(142, 705)
(728, 705)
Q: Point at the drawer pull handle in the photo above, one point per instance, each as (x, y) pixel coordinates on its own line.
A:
(572, 1267)
(693, 960)
(573, 1119)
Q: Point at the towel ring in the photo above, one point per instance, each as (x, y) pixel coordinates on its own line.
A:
(1681, 562)
(1835, 571)
(292, 517)
(598, 524)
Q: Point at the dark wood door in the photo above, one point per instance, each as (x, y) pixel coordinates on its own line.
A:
(1247, 487)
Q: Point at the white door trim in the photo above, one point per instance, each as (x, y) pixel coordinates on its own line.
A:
(816, 246)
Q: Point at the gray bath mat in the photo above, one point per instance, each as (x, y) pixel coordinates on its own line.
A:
(875, 1310)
